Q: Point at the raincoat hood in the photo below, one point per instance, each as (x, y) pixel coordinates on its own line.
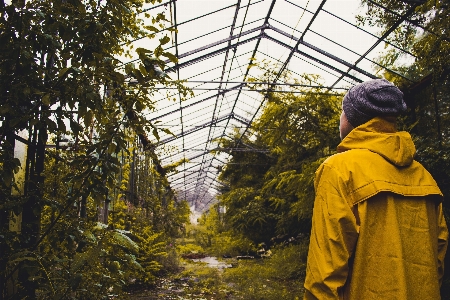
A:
(380, 136)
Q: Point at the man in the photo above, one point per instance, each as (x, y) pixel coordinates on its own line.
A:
(378, 230)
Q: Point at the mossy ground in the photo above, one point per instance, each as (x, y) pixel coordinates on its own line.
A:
(279, 277)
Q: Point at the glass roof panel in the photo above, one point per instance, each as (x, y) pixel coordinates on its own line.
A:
(215, 43)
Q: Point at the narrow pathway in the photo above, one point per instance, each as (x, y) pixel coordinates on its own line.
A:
(203, 283)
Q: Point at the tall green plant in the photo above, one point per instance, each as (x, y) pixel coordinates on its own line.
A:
(269, 188)
(60, 75)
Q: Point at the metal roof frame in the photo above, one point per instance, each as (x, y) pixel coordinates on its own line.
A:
(226, 106)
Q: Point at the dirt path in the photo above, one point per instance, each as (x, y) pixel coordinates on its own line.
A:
(197, 281)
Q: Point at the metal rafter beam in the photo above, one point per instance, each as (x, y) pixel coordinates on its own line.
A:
(214, 53)
(185, 169)
(324, 69)
(192, 130)
(266, 23)
(184, 150)
(201, 171)
(187, 180)
(351, 24)
(204, 174)
(329, 55)
(194, 171)
(228, 39)
(264, 83)
(195, 103)
(192, 187)
(203, 126)
(381, 38)
(343, 73)
(224, 68)
(194, 183)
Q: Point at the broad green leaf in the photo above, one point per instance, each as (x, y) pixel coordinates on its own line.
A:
(170, 56)
(143, 70)
(62, 72)
(164, 40)
(166, 130)
(88, 117)
(46, 99)
(155, 133)
(143, 51)
(139, 106)
(61, 125)
(152, 28)
(124, 241)
(129, 68)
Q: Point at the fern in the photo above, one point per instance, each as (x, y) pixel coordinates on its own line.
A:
(121, 239)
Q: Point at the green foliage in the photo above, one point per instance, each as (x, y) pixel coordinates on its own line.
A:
(426, 35)
(189, 248)
(280, 277)
(269, 190)
(229, 243)
(204, 282)
(61, 79)
(89, 264)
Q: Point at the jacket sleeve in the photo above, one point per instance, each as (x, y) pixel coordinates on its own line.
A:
(442, 242)
(333, 237)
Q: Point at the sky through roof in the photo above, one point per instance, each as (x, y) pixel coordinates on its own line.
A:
(215, 42)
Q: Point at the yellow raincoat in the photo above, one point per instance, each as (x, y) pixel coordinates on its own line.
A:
(378, 230)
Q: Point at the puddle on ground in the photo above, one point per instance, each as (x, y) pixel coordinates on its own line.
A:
(213, 262)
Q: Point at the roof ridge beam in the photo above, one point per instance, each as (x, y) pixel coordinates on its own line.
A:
(343, 73)
(181, 65)
(329, 55)
(198, 102)
(202, 126)
(382, 38)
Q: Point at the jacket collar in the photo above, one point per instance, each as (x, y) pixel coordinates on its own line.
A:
(381, 136)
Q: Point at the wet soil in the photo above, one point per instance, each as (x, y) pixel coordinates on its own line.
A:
(186, 288)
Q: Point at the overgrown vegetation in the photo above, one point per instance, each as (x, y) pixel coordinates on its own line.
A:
(86, 211)
(280, 277)
(269, 191)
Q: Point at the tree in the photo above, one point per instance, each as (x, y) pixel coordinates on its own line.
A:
(270, 186)
(60, 76)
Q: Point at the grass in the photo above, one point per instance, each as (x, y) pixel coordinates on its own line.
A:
(276, 278)
(280, 277)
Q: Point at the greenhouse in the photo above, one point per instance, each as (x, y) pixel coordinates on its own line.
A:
(139, 136)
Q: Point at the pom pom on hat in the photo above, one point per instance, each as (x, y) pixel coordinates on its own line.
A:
(370, 99)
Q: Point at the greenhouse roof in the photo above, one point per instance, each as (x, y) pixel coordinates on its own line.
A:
(216, 42)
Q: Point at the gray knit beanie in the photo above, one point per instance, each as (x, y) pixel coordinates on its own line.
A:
(370, 99)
